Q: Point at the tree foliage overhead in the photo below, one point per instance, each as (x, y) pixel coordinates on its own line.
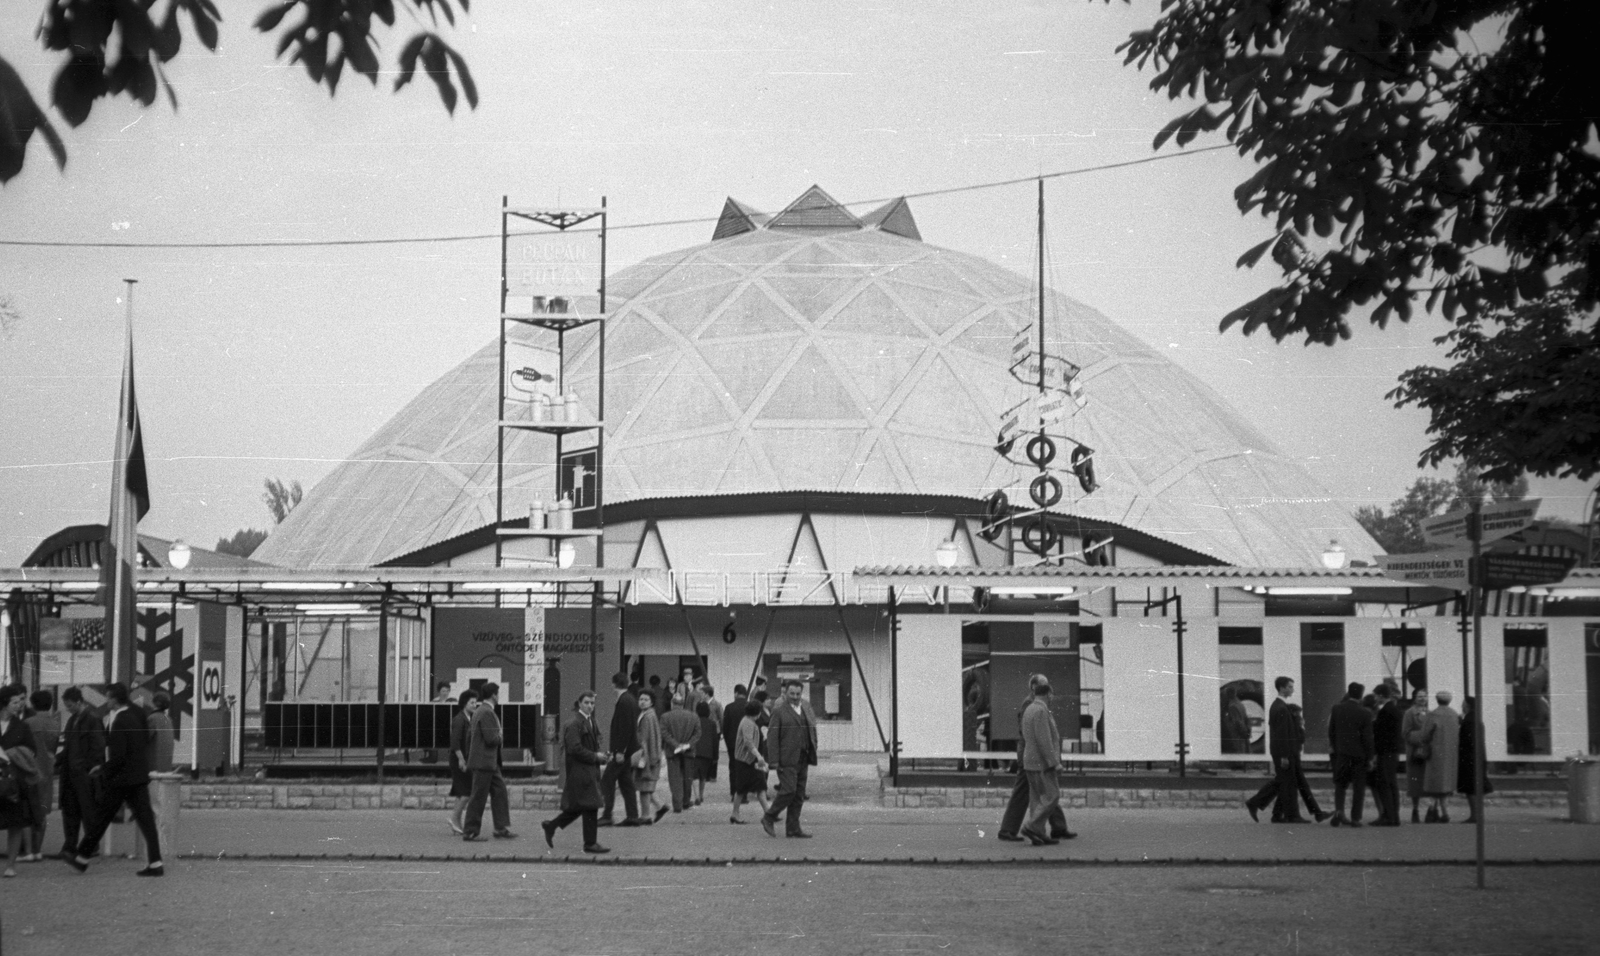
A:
(120, 47)
(1396, 157)
(1439, 152)
(1399, 530)
(1523, 390)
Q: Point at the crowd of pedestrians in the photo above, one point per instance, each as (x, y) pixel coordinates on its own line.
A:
(1367, 735)
(675, 731)
(104, 766)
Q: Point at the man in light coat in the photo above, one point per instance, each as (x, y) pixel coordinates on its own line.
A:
(1041, 760)
(1017, 806)
(792, 751)
(484, 738)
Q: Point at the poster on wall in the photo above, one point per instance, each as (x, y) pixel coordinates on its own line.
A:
(825, 680)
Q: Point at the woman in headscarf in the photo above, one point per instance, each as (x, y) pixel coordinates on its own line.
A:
(1441, 735)
(747, 769)
(1411, 724)
(647, 759)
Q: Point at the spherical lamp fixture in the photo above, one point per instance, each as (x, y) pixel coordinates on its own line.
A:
(1334, 557)
(566, 554)
(178, 554)
(947, 554)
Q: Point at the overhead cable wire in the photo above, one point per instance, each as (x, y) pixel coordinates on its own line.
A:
(658, 224)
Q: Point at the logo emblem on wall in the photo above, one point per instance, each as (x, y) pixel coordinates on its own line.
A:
(210, 685)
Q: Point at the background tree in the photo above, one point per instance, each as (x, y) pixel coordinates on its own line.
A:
(281, 499)
(1435, 151)
(324, 36)
(1399, 530)
(244, 542)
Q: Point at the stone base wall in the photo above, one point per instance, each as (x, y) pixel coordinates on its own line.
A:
(349, 796)
(1162, 799)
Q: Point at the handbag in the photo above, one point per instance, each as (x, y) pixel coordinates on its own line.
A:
(1422, 752)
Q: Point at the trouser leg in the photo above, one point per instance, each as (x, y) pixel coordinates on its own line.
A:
(591, 827)
(473, 822)
(788, 789)
(1016, 807)
(138, 799)
(101, 821)
(1303, 788)
(618, 775)
(792, 818)
(1286, 806)
(1044, 794)
(499, 802)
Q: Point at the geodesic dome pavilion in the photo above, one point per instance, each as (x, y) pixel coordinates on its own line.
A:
(822, 365)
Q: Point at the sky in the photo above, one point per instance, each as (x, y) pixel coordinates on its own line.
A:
(256, 363)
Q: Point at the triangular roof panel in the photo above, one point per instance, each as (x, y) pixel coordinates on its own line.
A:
(894, 217)
(737, 218)
(815, 210)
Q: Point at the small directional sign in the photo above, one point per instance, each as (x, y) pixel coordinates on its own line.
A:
(1498, 571)
(1499, 520)
(1433, 569)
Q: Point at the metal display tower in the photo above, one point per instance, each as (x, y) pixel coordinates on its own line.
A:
(544, 286)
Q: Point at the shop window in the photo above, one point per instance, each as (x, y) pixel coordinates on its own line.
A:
(1015, 650)
(1405, 663)
(1241, 669)
(1091, 690)
(1591, 646)
(976, 717)
(1527, 654)
(825, 680)
(1322, 681)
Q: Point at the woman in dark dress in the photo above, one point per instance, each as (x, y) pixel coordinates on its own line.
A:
(460, 776)
(707, 752)
(747, 768)
(1467, 762)
(17, 752)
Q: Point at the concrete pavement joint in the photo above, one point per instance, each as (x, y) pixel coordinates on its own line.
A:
(946, 862)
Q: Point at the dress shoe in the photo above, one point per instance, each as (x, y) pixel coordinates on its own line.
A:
(632, 822)
(737, 820)
(504, 835)
(1010, 838)
(549, 828)
(1339, 821)
(798, 835)
(661, 812)
(766, 824)
(474, 838)
(1353, 824)
(1322, 815)
(1035, 838)
(1255, 811)
(77, 863)
(596, 848)
(1432, 817)
(605, 822)
(1444, 818)
(152, 871)
(1063, 835)
(1300, 820)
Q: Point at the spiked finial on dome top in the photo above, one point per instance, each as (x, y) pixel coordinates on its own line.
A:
(816, 211)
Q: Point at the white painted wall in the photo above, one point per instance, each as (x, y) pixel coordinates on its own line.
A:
(1141, 688)
(930, 685)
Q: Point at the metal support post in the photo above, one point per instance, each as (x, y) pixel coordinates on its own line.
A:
(894, 691)
(1480, 772)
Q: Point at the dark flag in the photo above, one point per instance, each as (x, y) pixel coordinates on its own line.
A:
(130, 499)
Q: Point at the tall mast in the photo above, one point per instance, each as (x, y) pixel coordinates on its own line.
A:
(1041, 292)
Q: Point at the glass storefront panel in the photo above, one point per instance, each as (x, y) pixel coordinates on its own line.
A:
(1091, 690)
(1241, 668)
(1322, 680)
(1405, 660)
(997, 659)
(1591, 647)
(1527, 688)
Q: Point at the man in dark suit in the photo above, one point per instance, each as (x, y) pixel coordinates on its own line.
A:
(623, 740)
(1017, 806)
(1351, 746)
(83, 748)
(792, 751)
(732, 716)
(1285, 737)
(484, 739)
(1389, 745)
(125, 776)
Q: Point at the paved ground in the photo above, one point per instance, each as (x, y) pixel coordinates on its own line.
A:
(283, 908)
(847, 834)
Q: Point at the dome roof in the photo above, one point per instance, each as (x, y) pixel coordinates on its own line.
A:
(817, 351)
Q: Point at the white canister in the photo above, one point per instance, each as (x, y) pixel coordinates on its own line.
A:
(572, 407)
(538, 518)
(541, 408)
(564, 514)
